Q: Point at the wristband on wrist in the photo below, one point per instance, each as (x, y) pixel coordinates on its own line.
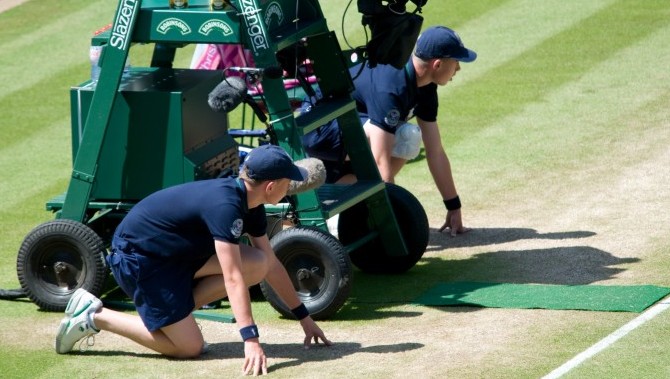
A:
(453, 204)
(249, 332)
(300, 311)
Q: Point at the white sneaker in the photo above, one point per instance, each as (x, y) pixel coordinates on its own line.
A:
(78, 321)
(79, 300)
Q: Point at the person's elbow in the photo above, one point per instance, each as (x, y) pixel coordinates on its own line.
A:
(233, 282)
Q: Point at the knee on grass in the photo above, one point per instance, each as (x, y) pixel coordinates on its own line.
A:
(188, 351)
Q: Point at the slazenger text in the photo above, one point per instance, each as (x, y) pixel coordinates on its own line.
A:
(254, 28)
(119, 38)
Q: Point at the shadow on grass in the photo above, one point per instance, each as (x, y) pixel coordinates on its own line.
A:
(295, 353)
(298, 355)
(116, 353)
(492, 236)
(572, 265)
(382, 296)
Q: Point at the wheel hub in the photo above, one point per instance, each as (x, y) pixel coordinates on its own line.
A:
(65, 274)
(304, 274)
(59, 268)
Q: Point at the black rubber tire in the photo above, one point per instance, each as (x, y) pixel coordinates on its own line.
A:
(319, 268)
(371, 257)
(65, 246)
(275, 225)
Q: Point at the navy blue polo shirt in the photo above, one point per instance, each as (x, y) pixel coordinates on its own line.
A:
(182, 222)
(389, 97)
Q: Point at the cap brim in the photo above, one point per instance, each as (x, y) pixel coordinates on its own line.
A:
(470, 56)
(298, 173)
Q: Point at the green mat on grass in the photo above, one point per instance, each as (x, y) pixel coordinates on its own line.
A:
(634, 298)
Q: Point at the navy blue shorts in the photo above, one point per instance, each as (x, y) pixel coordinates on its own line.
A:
(162, 290)
(325, 143)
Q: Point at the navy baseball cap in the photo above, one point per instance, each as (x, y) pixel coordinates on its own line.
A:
(271, 162)
(442, 42)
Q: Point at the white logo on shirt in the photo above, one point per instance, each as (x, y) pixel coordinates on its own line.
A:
(392, 117)
(237, 227)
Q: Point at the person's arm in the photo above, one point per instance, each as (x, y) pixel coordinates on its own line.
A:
(238, 296)
(278, 279)
(381, 145)
(440, 169)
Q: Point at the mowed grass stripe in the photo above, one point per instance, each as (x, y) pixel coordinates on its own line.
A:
(458, 13)
(33, 108)
(510, 101)
(597, 104)
(56, 43)
(34, 169)
(31, 15)
(510, 30)
(601, 124)
(565, 57)
(34, 163)
(40, 65)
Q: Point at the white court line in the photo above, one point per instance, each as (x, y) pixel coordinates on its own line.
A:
(610, 340)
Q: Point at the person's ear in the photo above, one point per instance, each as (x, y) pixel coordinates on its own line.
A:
(436, 64)
(273, 186)
(269, 186)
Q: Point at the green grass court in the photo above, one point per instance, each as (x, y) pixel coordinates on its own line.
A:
(558, 137)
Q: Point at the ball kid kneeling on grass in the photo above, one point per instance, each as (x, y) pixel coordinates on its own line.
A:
(178, 249)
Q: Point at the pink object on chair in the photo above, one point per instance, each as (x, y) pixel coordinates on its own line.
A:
(218, 57)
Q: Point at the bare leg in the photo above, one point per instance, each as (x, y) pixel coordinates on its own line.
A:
(211, 287)
(182, 339)
(396, 165)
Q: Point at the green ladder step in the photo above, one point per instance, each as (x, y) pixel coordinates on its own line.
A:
(336, 198)
(323, 113)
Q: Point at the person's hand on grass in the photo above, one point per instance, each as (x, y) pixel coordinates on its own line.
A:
(454, 223)
(255, 362)
(313, 332)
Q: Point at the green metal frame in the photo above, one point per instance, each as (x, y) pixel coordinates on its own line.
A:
(265, 28)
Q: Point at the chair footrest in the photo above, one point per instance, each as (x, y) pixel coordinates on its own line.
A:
(336, 198)
(323, 113)
(56, 204)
